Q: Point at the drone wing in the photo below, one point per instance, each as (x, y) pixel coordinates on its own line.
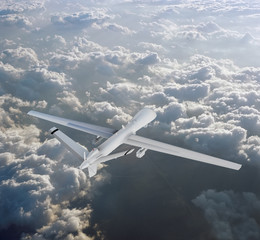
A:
(81, 126)
(147, 143)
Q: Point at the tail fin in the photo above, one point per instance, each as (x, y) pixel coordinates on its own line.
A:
(92, 169)
(78, 150)
(75, 148)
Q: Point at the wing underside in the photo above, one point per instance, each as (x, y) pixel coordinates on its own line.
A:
(147, 143)
(81, 126)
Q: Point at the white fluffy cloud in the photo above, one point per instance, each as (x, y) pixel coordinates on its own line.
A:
(118, 28)
(81, 19)
(15, 20)
(40, 181)
(20, 57)
(9, 7)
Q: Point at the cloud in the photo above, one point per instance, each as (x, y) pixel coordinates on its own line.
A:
(171, 112)
(149, 59)
(69, 226)
(152, 46)
(40, 181)
(209, 27)
(48, 186)
(32, 82)
(191, 92)
(112, 114)
(9, 7)
(102, 65)
(15, 20)
(81, 19)
(20, 57)
(69, 99)
(232, 215)
(13, 14)
(118, 28)
(190, 35)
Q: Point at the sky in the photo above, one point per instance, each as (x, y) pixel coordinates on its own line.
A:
(194, 62)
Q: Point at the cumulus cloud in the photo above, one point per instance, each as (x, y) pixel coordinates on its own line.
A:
(20, 57)
(152, 46)
(149, 59)
(9, 7)
(232, 215)
(118, 28)
(32, 82)
(68, 226)
(17, 16)
(112, 114)
(69, 99)
(15, 20)
(209, 27)
(81, 19)
(191, 92)
(39, 182)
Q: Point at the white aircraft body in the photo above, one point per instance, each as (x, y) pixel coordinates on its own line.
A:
(126, 135)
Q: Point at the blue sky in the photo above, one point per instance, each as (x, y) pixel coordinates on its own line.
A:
(195, 63)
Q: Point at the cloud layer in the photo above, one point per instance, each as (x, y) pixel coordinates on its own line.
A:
(195, 64)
